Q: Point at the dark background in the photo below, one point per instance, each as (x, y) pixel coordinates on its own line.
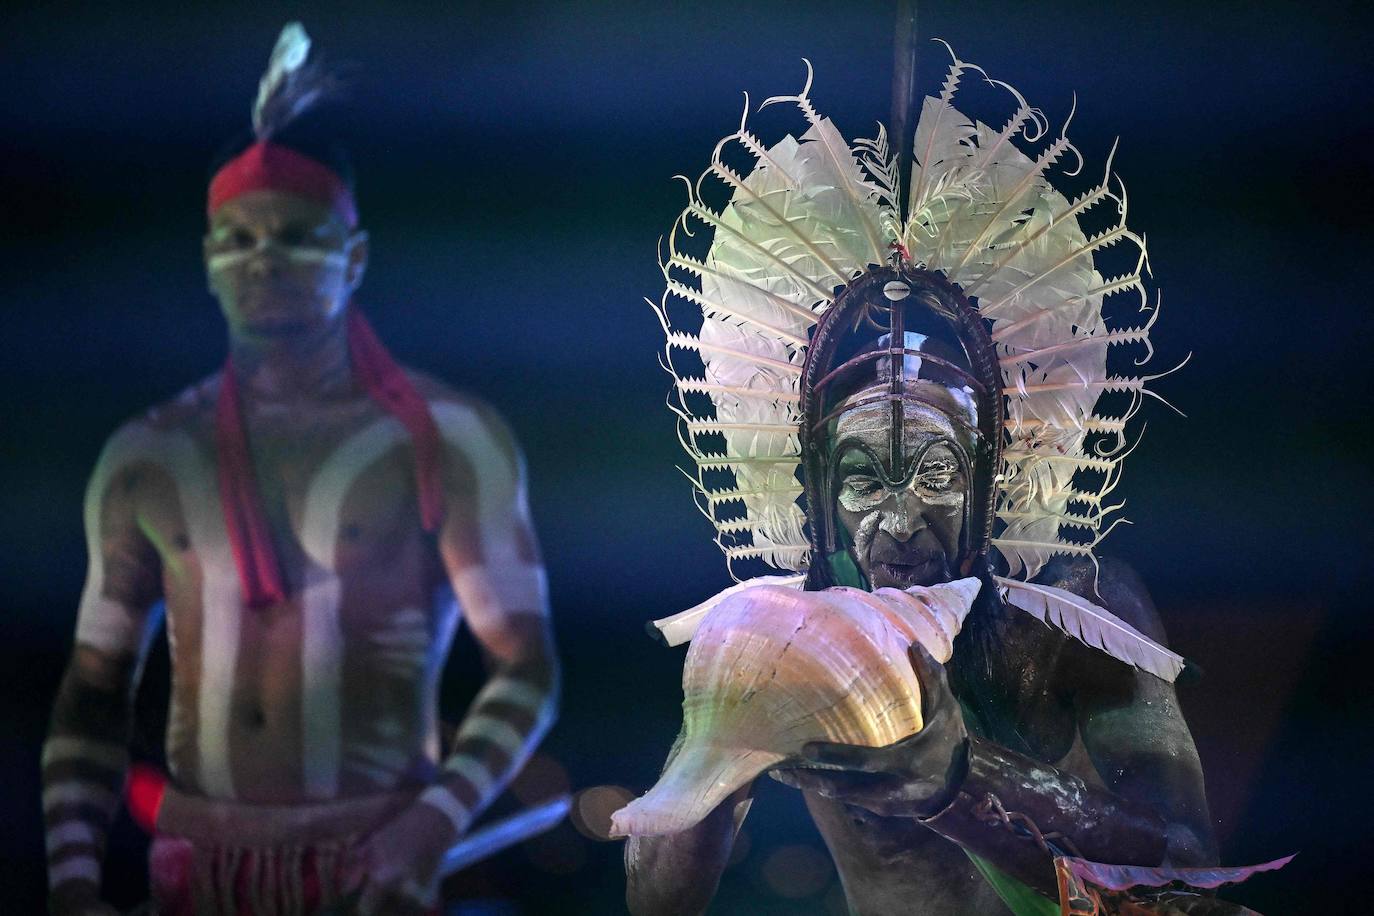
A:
(515, 167)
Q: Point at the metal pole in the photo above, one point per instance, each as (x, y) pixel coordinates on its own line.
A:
(903, 97)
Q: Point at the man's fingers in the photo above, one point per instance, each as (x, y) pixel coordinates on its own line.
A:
(844, 756)
(355, 867)
(936, 695)
(930, 671)
(876, 792)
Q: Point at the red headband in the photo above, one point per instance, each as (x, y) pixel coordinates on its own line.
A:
(267, 166)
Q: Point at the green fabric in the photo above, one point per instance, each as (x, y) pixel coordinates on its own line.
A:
(1018, 897)
(844, 571)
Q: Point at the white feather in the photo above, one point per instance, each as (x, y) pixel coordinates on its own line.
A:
(1092, 625)
(288, 56)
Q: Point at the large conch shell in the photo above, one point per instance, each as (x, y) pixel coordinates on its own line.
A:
(771, 668)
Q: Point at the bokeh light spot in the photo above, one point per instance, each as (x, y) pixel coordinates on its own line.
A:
(592, 809)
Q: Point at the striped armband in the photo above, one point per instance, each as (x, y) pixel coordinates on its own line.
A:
(81, 781)
(79, 866)
(62, 749)
(446, 803)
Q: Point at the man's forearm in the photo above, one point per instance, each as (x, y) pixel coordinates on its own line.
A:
(84, 759)
(506, 721)
(1009, 809)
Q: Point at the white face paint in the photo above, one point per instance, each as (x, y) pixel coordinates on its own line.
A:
(265, 247)
(905, 523)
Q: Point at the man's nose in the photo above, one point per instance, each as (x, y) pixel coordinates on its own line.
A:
(266, 259)
(904, 518)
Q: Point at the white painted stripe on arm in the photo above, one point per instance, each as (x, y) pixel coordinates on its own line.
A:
(60, 748)
(498, 731)
(107, 625)
(69, 833)
(322, 640)
(473, 770)
(442, 800)
(103, 623)
(75, 792)
(504, 689)
(85, 868)
(501, 499)
(520, 587)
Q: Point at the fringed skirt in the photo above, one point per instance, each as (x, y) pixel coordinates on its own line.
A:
(221, 858)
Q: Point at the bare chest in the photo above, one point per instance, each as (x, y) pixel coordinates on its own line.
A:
(329, 690)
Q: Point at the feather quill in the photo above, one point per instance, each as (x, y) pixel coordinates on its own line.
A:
(1091, 625)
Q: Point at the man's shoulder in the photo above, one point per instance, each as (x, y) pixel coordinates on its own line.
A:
(440, 394)
(460, 415)
(1110, 583)
(154, 434)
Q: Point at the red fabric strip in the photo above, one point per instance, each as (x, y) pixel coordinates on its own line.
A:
(250, 537)
(267, 166)
(389, 387)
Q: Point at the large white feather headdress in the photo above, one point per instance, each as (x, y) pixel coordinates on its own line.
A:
(809, 216)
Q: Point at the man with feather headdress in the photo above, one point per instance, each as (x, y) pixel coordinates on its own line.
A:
(929, 353)
(298, 513)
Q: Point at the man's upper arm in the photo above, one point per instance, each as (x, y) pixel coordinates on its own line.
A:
(123, 572)
(1134, 730)
(488, 543)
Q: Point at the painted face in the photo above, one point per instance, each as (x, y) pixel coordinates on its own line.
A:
(281, 265)
(905, 522)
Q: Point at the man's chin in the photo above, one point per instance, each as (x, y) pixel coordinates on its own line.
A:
(269, 326)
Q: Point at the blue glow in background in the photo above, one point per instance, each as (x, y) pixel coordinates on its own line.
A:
(515, 167)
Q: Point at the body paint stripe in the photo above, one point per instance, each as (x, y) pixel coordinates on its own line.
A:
(192, 473)
(79, 793)
(501, 499)
(515, 588)
(471, 769)
(107, 625)
(517, 693)
(322, 648)
(443, 801)
(499, 732)
(84, 868)
(71, 832)
(61, 748)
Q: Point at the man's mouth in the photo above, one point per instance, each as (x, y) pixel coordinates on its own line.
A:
(922, 570)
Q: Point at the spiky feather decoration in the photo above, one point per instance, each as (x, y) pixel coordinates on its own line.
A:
(809, 216)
